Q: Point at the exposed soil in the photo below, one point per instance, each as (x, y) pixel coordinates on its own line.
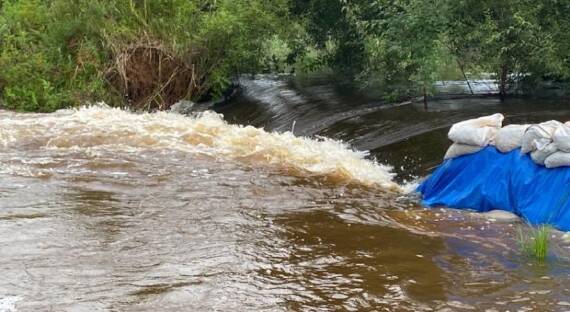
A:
(150, 77)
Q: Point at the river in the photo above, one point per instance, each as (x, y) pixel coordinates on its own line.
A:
(263, 209)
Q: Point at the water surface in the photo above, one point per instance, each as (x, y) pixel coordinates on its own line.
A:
(102, 209)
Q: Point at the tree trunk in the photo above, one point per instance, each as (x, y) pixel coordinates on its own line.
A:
(465, 76)
(503, 82)
(425, 97)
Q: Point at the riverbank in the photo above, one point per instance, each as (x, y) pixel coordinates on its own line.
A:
(145, 55)
(148, 55)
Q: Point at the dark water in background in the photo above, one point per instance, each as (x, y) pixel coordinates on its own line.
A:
(103, 210)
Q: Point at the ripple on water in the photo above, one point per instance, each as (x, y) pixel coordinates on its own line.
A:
(152, 218)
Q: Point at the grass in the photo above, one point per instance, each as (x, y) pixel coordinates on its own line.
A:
(138, 53)
(535, 243)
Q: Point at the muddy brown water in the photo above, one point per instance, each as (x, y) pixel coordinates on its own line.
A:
(106, 210)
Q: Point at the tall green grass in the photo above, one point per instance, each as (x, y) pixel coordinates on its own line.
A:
(61, 53)
(535, 242)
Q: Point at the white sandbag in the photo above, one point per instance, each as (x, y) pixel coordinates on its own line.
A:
(495, 121)
(510, 137)
(539, 156)
(480, 131)
(473, 136)
(456, 150)
(538, 136)
(558, 159)
(562, 138)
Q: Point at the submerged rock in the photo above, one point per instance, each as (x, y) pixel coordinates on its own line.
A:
(501, 216)
(183, 107)
(566, 237)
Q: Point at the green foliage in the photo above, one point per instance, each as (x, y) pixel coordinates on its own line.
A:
(48, 61)
(60, 53)
(329, 30)
(535, 242)
(403, 42)
(403, 46)
(511, 37)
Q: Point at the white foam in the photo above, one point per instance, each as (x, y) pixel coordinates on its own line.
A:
(99, 127)
(8, 304)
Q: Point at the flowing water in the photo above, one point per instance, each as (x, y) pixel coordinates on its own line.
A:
(263, 209)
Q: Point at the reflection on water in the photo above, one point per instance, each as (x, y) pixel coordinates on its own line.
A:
(112, 211)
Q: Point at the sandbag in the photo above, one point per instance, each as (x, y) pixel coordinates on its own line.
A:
(538, 136)
(558, 159)
(539, 156)
(495, 121)
(473, 136)
(510, 137)
(562, 138)
(480, 131)
(456, 150)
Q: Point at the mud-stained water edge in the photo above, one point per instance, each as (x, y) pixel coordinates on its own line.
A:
(107, 210)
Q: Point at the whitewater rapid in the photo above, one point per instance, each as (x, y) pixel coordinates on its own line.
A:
(100, 128)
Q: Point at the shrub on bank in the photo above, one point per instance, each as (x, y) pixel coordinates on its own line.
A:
(140, 53)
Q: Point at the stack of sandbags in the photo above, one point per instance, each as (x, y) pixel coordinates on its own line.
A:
(538, 141)
(548, 143)
(472, 135)
(561, 139)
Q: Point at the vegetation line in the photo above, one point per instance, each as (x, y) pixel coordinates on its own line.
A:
(150, 54)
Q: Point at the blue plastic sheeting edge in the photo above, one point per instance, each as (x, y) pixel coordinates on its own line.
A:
(490, 180)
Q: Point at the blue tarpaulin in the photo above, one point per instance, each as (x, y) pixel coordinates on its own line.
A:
(490, 180)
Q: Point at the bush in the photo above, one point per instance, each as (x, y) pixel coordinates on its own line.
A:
(62, 53)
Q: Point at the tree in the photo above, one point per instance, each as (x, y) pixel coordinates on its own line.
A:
(509, 38)
(403, 40)
(331, 32)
